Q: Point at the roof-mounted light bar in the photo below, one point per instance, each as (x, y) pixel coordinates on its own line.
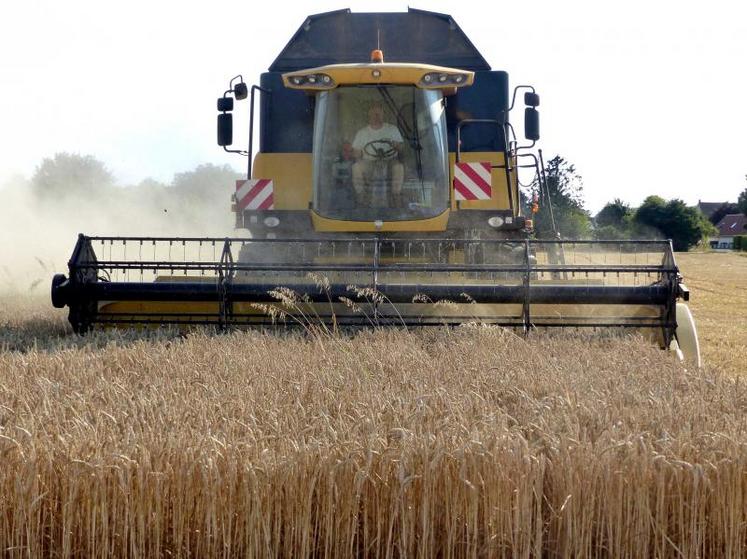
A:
(424, 76)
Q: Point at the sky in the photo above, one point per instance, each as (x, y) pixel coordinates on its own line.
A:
(642, 97)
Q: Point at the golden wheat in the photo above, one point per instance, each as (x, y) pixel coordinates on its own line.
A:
(718, 284)
(468, 442)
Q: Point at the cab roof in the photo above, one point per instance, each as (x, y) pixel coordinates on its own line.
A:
(343, 37)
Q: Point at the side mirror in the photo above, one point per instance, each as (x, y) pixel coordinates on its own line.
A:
(225, 129)
(240, 91)
(225, 104)
(531, 124)
(531, 99)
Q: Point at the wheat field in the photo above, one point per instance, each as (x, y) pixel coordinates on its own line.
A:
(718, 286)
(469, 442)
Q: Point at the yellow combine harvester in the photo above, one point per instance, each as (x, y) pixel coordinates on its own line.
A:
(383, 192)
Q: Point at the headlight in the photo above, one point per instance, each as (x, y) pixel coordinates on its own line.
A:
(313, 81)
(496, 221)
(441, 79)
(271, 221)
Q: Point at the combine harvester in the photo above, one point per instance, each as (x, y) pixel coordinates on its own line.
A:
(383, 192)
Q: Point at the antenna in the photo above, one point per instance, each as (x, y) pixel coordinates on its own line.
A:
(377, 55)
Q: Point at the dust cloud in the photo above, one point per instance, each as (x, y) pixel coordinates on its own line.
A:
(37, 235)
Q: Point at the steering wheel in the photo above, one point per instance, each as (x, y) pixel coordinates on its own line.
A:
(380, 149)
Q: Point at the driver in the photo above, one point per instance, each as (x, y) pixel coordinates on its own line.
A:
(382, 138)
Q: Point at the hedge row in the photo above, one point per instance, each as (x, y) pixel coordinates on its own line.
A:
(740, 242)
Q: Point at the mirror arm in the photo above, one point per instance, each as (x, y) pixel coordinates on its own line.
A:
(513, 139)
(527, 146)
(516, 90)
(233, 79)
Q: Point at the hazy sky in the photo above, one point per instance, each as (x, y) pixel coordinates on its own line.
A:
(643, 97)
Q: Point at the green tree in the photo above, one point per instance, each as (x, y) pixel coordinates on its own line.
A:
(724, 209)
(742, 200)
(68, 175)
(684, 225)
(614, 221)
(615, 214)
(565, 193)
(652, 212)
(610, 232)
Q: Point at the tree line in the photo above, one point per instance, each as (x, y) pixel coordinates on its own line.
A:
(562, 202)
(74, 176)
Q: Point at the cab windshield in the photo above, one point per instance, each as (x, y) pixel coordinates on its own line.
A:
(380, 153)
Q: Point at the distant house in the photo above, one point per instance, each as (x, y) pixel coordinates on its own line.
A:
(729, 226)
(709, 208)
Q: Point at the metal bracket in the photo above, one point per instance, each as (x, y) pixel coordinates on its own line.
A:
(683, 291)
(526, 319)
(226, 272)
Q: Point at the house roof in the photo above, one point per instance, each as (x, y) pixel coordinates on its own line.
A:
(732, 224)
(709, 208)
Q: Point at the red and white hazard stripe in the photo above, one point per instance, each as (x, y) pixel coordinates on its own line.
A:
(254, 194)
(472, 181)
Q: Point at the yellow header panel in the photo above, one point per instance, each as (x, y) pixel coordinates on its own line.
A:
(291, 174)
(425, 76)
(327, 225)
(291, 177)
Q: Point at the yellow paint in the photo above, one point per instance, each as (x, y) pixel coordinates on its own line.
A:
(499, 197)
(324, 224)
(163, 309)
(291, 175)
(388, 73)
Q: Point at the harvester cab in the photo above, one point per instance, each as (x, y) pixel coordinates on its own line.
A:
(385, 190)
(379, 150)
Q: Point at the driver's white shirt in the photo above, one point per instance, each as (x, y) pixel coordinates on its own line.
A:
(385, 132)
